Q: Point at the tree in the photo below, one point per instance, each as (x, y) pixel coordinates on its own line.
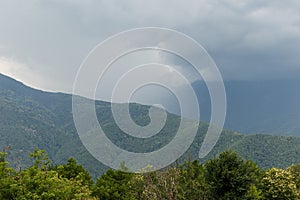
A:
(41, 159)
(295, 170)
(279, 184)
(161, 185)
(192, 184)
(72, 171)
(6, 180)
(115, 185)
(39, 182)
(230, 177)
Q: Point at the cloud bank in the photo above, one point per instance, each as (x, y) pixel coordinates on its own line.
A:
(247, 39)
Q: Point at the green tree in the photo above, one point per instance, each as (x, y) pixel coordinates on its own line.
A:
(41, 159)
(73, 171)
(295, 170)
(279, 184)
(115, 185)
(192, 184)
(38, 182)
(230, 177)
(6, 178)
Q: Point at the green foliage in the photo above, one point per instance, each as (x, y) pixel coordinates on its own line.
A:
(41, 159)
(6, 180)
(295, 170)
(114, 185)
(253, 193)
(192, 183)
(230, 177)
(73, 171)
(225, 177)
(38, 182)
(279, 184)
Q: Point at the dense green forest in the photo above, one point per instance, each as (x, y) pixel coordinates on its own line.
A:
(226, 176)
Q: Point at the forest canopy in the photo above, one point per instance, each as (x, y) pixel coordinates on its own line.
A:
(227, 176)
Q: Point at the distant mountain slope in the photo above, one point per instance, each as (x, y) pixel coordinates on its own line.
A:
(269, 107)
(256, 106)
(31, 118)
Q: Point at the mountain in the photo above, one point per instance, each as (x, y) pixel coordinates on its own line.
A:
(266, 107)
(31, 118)
(256, 106)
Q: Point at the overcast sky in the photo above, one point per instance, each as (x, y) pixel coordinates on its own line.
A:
(42, 43)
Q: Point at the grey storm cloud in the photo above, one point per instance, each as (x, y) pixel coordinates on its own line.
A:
(43, 43)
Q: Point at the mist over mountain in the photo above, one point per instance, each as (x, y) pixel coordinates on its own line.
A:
(264, 107)
(269, 107)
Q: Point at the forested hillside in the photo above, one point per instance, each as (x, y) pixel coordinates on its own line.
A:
(31, 118)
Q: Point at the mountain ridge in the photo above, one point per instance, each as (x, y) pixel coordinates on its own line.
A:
(31, 118)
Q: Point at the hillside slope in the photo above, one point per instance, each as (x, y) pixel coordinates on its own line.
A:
(31, 118)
